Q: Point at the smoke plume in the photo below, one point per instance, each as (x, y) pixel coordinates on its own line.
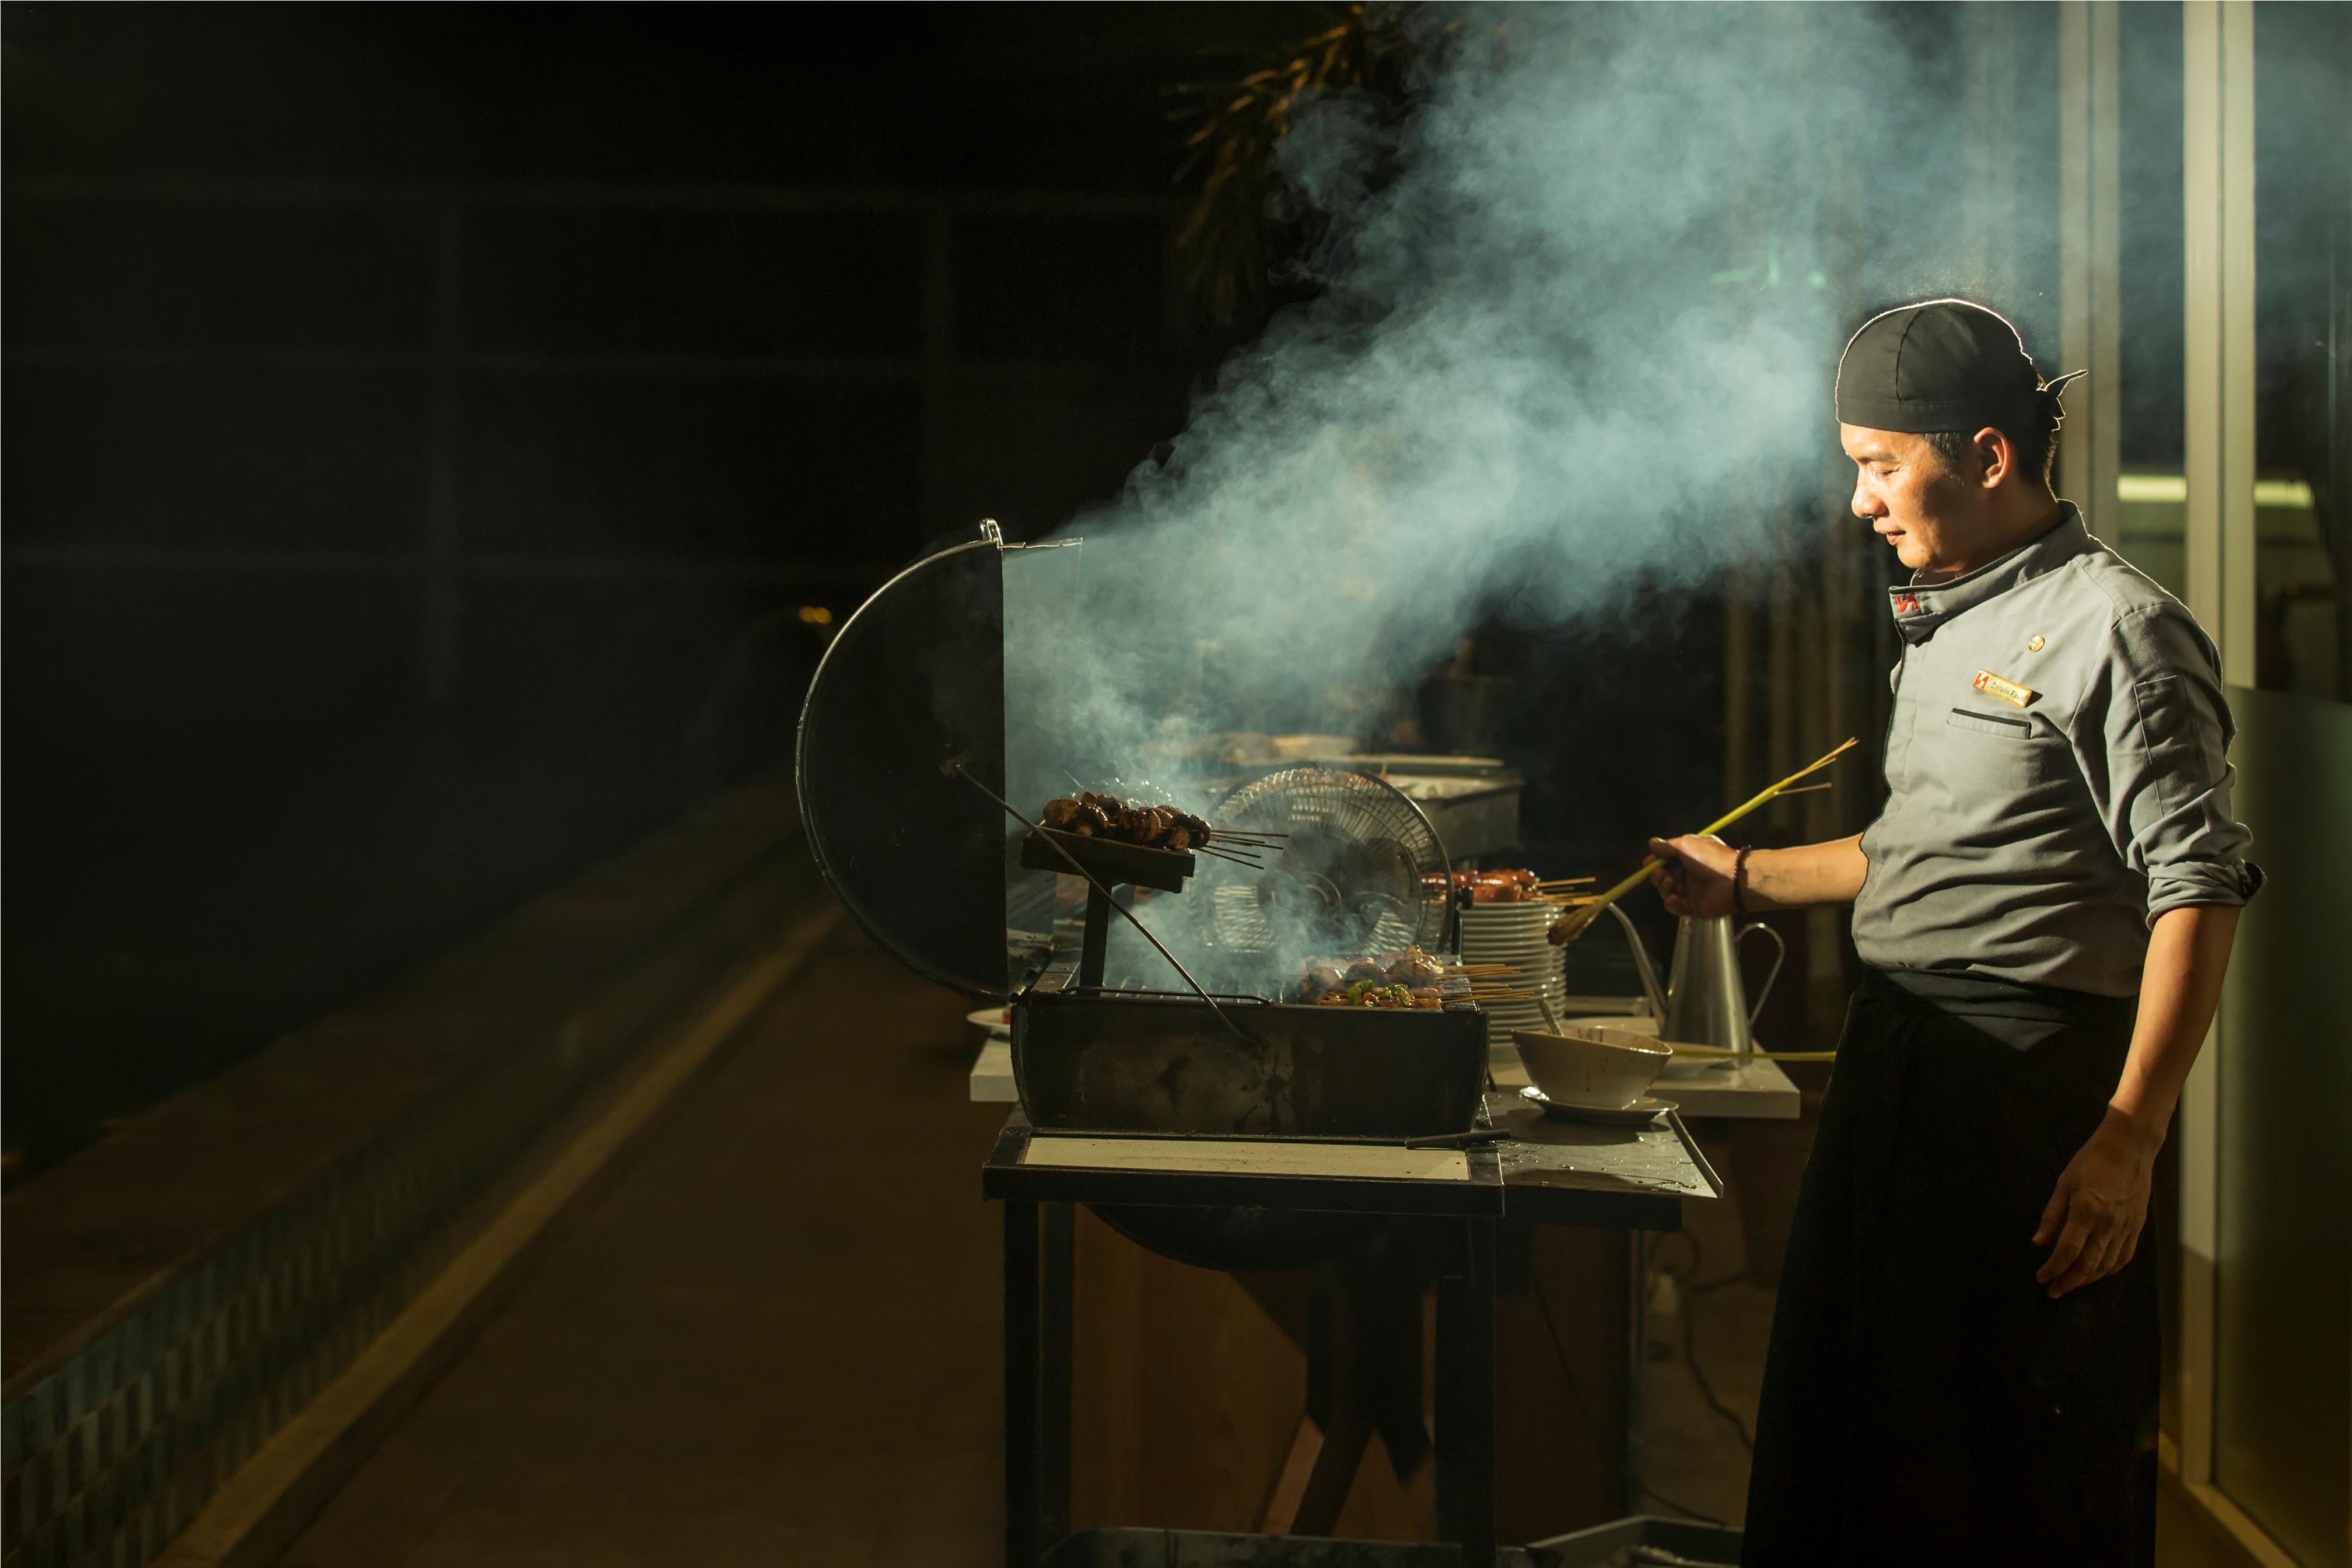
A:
(1573, 341)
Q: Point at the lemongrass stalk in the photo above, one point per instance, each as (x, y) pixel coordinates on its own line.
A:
(1721, 1052)
(1590, 912)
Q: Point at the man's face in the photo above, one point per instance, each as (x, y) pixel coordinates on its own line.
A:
(1932, 516)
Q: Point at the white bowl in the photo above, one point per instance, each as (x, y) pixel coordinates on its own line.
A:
(1684, 1069)
(1640, 1023)
(1607, 1068)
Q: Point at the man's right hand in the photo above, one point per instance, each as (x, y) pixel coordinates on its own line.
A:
(1694, 874)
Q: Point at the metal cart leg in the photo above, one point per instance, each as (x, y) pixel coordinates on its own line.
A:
(1054, 1309)
(1037, 1245)
(1020, 1384)
(1465, 1397)
(1637, 1354)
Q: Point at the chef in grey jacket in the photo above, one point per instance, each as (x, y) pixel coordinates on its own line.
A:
(1964, 1357)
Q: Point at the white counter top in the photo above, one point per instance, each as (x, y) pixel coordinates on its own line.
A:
(992, 1074)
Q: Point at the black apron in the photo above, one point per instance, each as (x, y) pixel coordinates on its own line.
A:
(1924, 1401)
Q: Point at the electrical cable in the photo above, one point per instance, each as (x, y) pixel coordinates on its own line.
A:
(1690, 1340)
(1706, 1389)
(1600, 1444)
(1683, 1235)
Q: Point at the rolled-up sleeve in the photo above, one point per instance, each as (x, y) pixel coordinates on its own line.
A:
(2159, 762)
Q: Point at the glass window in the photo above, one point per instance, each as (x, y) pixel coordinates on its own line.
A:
(2283, 1375)
(2151, 491)
(2303, 349)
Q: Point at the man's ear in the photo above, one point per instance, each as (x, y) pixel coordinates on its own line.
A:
(1995, 458)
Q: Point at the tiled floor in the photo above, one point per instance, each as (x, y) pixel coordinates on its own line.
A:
(773, 1338)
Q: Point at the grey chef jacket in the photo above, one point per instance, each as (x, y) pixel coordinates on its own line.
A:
(2037, 844)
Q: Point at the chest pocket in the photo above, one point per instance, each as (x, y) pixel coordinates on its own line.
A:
(1990, 755)
(1991, 724)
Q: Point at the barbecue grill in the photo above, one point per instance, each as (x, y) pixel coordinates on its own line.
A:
(902, 762)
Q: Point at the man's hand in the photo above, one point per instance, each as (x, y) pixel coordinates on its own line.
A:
(1693, 874)
(2096, 1214)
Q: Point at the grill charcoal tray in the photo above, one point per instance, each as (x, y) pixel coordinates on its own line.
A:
(1092, 1061)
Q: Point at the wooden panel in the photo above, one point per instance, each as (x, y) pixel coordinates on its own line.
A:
(1185, 1391)
(1561, 1442)
(1189, 1384)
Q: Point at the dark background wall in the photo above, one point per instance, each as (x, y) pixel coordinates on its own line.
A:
(427, 426)
(436, 436)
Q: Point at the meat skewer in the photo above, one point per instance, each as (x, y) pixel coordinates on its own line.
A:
(1092, 816)
(1409, 978)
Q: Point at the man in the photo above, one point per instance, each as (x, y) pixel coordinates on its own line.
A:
(1964, 1360)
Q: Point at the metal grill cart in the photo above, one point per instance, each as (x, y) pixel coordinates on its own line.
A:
(1548, 1172)
(1229, 1129)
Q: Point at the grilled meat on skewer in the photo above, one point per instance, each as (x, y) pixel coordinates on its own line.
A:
(1513, 886)
(1365, 994)
(1092, 816)
(1417, 969)
(1409, 978)
(1318, 979)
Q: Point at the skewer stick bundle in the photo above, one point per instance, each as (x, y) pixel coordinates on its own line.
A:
(1574, 923)
(1721, 1053)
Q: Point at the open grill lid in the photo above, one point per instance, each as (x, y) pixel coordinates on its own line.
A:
(913, 682)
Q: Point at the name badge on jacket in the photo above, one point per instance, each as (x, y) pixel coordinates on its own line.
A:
(2008, 690)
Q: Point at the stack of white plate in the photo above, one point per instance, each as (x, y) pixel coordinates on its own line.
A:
(1515, 934)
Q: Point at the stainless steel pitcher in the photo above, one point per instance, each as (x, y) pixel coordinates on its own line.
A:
(1705, 1002)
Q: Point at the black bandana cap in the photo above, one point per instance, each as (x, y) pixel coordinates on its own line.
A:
(1942, 364)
